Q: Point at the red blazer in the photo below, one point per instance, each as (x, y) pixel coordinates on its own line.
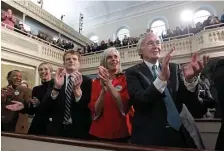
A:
(111, 124)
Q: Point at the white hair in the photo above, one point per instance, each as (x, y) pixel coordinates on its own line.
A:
(142, 38)
(104, 55)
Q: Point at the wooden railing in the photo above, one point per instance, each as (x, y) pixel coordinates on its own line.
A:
(9, 142)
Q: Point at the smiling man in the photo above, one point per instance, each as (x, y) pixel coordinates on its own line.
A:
(9, 95)
(67, 102)
(157, 92)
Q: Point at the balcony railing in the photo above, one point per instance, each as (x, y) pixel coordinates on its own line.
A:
(26, 44)
(210, 41)
(31, 9)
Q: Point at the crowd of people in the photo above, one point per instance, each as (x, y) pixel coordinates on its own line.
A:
(9, 20)
(179, 31)
(127, 41)
(170, 34)
(148, 104)
(17, 25)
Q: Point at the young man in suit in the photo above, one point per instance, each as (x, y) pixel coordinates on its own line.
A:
(11, 94)
(68, 100)
(157, 92)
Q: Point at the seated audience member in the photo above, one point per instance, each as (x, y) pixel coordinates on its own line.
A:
(219, 85)
(109, 100)
(8, 19)
(156, 91)
(14, 95)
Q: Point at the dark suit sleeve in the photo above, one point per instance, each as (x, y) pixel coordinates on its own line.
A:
(137, 92)
(30, 109)
(86, 92)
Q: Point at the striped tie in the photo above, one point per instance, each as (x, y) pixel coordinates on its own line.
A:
(68, 94)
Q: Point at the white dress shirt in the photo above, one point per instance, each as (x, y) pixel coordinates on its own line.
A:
(161, 85)
(55, 96)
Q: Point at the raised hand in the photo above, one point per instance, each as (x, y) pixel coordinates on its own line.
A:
(165, 71)
(6, 92)
(17, 106)
(59, 77)
(77, 79)
(104, 75)
(194, 67)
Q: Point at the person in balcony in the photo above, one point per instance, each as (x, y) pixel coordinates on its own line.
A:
(20, 28)
(222, 18)
(103, 45)
(109, 100)
(117, 42)
(10, 95)
(8, 19)
(158, 93)
(125, 41)
(110, 43)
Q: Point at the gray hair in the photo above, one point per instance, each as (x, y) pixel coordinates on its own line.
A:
(104, 55)
(139, 45)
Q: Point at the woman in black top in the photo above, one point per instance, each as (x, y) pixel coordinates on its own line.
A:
(38, 93)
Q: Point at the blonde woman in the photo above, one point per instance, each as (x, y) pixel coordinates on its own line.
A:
(41, 122)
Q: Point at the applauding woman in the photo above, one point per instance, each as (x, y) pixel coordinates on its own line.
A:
(109, 100)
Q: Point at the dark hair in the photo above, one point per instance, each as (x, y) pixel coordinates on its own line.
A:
(10, 73)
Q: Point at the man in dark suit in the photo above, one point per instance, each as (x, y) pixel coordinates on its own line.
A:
(219, 85)
(158, 92)
(68, 100)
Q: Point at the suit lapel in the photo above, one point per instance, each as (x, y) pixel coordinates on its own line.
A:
(146, 71)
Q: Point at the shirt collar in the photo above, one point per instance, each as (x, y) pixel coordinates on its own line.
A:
(150, 64)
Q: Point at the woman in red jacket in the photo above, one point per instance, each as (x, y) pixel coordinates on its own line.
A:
(109, 100)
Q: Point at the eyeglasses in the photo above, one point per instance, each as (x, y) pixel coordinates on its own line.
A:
(151, 43)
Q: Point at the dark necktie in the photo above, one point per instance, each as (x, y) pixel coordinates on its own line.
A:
(173, 117)
(68, 94)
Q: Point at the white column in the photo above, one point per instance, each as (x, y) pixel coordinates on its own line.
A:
(24, 17)
(37, 79)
